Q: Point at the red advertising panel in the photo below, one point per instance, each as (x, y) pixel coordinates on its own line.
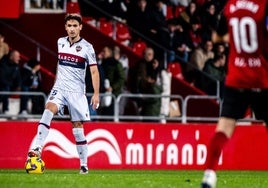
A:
(135, 146)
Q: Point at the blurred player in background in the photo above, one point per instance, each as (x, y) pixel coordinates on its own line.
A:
(75, 54)
(247, 77)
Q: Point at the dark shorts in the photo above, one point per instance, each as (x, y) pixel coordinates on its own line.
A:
(237, 101)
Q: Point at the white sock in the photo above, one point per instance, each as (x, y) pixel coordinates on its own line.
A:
(81, 145)
(43, 128)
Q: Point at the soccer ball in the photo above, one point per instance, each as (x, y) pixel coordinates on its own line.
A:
(35, 165)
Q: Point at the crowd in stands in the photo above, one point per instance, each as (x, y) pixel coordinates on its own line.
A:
(173, 30)
(17, 76)
(177, 30)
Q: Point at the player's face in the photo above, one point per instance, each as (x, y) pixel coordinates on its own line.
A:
(73, 28)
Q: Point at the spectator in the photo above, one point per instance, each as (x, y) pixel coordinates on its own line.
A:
(150, 85)
(120, 8)
(197, 62)
(184, 46)
(190, 13)
(31, 81)
(145, 75)
(139, 70)
(158, 14)
(220, 48)
(209, 20)
(168, 38)
(139, 18)
(4, 48)
(216, 70)
(195, 33)
(122, 58)
(10, 78)
(114, 73)
(201, 54)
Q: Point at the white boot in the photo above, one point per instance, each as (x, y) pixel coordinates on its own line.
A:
(209, 180)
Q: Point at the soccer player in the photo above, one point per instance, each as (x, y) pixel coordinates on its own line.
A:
(247, 77)
(75, 54)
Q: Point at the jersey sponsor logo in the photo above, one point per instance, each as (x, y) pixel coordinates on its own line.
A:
(71, 60)
(72, 64)
(68, 57)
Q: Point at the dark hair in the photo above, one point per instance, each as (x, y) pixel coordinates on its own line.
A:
(172, 21)
(33, 62)
(73, 16)
(219, 56)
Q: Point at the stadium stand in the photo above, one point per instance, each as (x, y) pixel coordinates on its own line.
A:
(35, 28)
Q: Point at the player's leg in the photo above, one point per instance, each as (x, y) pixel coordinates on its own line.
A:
(43, 129)
(223, 132)
(234, 107)
(53, 104)
(260, 105)
(78, 109)
(81, 146)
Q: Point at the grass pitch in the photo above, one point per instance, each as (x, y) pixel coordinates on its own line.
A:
(129, 179)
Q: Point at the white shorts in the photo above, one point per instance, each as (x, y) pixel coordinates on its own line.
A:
(76, 103)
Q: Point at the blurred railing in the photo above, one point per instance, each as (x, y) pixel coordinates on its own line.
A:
(116, 101)
(13, 111)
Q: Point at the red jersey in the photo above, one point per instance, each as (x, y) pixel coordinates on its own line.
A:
(247, 66)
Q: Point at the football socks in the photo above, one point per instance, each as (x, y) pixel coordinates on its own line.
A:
(81, 145)
(214, 149)
(43, 127)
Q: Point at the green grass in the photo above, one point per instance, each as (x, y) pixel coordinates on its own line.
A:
(129, 179)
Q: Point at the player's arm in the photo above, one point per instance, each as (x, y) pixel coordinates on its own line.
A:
(221, 33)
(95, 77)
(216, 38)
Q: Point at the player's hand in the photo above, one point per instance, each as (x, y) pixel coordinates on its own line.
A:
(95, 101)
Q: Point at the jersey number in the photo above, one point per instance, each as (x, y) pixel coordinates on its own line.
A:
(244, 34)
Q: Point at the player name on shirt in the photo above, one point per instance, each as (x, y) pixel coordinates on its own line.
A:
(250, 62)
(246, 5)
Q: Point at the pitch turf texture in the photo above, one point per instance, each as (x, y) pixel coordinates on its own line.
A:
(129, 179)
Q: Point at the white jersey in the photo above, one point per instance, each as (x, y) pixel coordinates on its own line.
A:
(72, 63)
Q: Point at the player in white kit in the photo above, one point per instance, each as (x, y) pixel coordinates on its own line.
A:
(75, 54)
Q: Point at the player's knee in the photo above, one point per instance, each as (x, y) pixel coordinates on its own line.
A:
(52, 107)
(77, 124)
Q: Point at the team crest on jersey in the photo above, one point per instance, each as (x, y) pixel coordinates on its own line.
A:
(93, 55)
(78, 48)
